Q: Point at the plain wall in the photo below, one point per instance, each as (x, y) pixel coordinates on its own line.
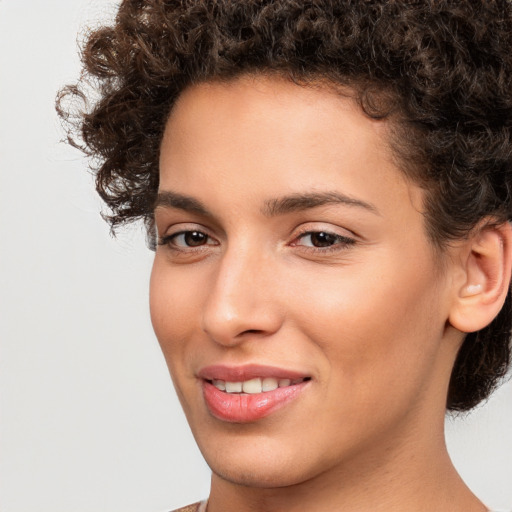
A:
(89, 421)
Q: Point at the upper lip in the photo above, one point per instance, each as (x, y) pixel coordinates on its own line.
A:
(247, 372)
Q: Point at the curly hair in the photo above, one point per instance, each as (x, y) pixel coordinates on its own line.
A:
(439, 70)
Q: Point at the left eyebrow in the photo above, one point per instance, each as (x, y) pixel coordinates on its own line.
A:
(298, 202)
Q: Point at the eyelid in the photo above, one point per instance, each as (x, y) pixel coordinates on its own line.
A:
(183, 228)
(167, 217)
(344, 239)
(167, 239)
(322, 227)
(180, 227)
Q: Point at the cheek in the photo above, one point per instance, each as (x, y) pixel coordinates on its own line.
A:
(378, 344)
(174, 307)
(375, 325)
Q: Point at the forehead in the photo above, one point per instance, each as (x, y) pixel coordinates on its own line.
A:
(280, 136)
(254, 95)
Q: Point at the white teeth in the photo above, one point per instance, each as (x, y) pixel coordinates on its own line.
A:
(254, 386)
(234, 387)
(219, 384)
(269, 384)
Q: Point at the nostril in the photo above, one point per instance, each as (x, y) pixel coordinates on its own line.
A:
(228, 320)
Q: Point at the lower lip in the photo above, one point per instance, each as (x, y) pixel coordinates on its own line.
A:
(245, 408)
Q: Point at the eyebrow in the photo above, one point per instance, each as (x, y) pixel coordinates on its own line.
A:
(168, 199)
(272, 207)
(299, 202)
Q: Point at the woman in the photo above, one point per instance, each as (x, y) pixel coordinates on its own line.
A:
(327, 188)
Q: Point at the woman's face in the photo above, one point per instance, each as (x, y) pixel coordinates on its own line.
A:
(293, 253)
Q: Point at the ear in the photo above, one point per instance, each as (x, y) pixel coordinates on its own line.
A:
(486, 259)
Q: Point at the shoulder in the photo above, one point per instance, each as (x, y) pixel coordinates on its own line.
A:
(200, 506)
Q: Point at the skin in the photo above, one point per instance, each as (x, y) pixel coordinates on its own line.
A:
(366, 319)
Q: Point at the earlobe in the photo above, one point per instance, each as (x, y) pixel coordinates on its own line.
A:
(486, 261)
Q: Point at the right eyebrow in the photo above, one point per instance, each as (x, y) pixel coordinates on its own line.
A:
(167, 199)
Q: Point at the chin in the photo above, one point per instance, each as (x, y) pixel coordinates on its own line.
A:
(258, 475)
(257, 461)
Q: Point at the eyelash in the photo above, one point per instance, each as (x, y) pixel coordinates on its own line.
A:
(339, 242)
(168, 240)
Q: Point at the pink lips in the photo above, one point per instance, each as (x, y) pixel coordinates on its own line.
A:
(242, 407)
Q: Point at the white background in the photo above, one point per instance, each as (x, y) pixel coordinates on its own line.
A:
(88, 418)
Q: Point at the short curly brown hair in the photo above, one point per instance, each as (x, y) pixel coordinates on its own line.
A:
(441, 70)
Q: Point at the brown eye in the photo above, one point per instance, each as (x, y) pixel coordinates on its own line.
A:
(194, 238)
(187, 239)
(323, 239)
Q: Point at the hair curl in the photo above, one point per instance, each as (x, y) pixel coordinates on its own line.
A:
(440, 69)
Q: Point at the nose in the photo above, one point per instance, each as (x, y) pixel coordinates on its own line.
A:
(243, 300)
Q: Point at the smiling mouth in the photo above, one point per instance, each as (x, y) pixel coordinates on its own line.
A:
(251, 399)
(256, 385)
